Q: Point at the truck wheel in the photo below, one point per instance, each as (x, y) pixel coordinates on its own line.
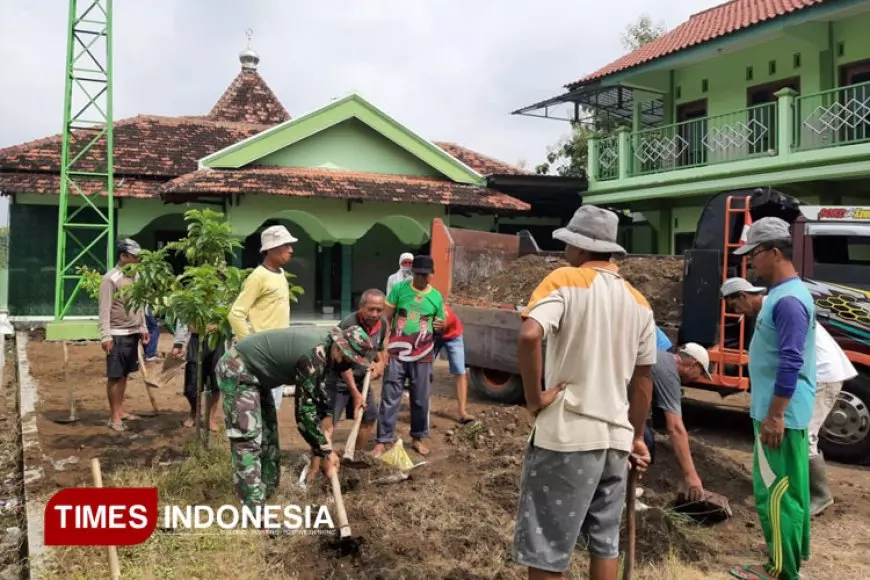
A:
(497, 386)
(845, 436)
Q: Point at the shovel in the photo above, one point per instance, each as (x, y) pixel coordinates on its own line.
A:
(144, 371)
(350, 447)
(73, 417)
(630, 523)
(172, 367)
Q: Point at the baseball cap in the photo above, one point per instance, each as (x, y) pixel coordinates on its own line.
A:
(737, 285)
(700, 354)
(422, 265)
(769, 229)
(275, 236)
(354, 344)
(128, 246)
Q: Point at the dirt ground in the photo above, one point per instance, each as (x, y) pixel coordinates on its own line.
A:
(453, 519)
(658, 278)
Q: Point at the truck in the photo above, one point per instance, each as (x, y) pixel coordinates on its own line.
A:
(831, 246)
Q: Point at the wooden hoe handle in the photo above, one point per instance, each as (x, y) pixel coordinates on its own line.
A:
(339, 506)
(350, 447)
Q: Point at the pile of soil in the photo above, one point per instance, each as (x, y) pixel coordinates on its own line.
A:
(658, 278)
(454, 518)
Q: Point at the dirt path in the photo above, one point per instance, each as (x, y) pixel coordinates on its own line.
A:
(455, 519)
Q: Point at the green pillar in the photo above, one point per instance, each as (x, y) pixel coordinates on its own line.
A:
(346, 273)
(326, 293)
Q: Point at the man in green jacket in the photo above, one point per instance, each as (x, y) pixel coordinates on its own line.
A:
(247, 373)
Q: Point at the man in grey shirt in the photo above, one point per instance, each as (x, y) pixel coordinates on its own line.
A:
(345, 385)
(668, 374)
(121, 329)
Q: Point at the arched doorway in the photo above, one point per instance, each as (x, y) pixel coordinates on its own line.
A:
(376, 254)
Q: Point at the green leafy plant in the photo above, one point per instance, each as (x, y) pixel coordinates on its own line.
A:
(201, 297)
(91, 280)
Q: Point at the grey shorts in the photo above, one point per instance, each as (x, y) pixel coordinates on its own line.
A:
(564, 495)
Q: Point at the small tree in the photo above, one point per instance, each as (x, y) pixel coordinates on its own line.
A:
(201, 297)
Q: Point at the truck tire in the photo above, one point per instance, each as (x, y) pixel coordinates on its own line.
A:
(497, 386)
(845, 436)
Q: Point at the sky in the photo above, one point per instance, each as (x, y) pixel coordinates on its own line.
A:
(450, 70)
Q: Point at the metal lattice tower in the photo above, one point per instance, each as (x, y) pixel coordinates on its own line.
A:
(87, 160)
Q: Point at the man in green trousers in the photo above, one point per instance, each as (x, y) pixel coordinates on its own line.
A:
(782, 372)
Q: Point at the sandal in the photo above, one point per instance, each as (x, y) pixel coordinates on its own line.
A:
(466, 419)
(117, 426)
(751, 572)
(131, 417)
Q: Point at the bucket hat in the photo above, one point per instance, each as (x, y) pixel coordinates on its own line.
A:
(699, 354)
(275, 236)
(354, 344)
(769, 229)
(592, 229)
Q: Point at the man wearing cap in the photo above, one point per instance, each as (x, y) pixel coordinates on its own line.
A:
(782, 372)
(669, 374)
(403, 273)
(601, 345)
(120, 332)
(247, 373)
(416, 311)
(264, 302)
(833, 368)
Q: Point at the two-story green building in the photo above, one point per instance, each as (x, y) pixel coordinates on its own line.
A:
(747, 93)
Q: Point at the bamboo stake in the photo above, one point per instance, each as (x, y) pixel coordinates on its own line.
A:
(114, 565)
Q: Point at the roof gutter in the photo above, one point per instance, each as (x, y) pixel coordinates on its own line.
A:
(501, 182)
(713, 47)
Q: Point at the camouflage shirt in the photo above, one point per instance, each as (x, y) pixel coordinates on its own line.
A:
(312, 400)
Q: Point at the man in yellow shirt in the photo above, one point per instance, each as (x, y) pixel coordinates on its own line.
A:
(264, 303)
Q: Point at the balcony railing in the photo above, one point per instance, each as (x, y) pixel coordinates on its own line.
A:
(832, 118)
(791, 125)
(608, 159)
(724, 138)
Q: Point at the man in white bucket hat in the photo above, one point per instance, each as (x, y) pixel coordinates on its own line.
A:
(601, 345)
(264, 303)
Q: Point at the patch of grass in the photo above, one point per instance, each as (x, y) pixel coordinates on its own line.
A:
(203, 478)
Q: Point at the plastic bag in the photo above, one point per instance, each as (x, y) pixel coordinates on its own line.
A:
(397, 457)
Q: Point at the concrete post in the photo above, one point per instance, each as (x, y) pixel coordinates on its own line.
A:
(346, 278)
(326, 277)
(785, 121)
(623, 151)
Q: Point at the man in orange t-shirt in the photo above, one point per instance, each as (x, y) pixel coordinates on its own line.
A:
(450, 339)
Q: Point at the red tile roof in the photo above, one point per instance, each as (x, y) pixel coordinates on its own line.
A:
(703, 27)
(144, 145)
(151, 150)
(479, 162)
(308, 182)
(249, 99)
(49, 183)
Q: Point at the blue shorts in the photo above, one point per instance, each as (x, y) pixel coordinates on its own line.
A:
(455, 354)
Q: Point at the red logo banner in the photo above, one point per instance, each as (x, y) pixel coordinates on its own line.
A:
(100, 516)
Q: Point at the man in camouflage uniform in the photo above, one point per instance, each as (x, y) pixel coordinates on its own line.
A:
(265, 360)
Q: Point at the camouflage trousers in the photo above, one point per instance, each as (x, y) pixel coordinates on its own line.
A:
(252, 428)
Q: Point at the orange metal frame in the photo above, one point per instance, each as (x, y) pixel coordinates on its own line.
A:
(719, 355)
